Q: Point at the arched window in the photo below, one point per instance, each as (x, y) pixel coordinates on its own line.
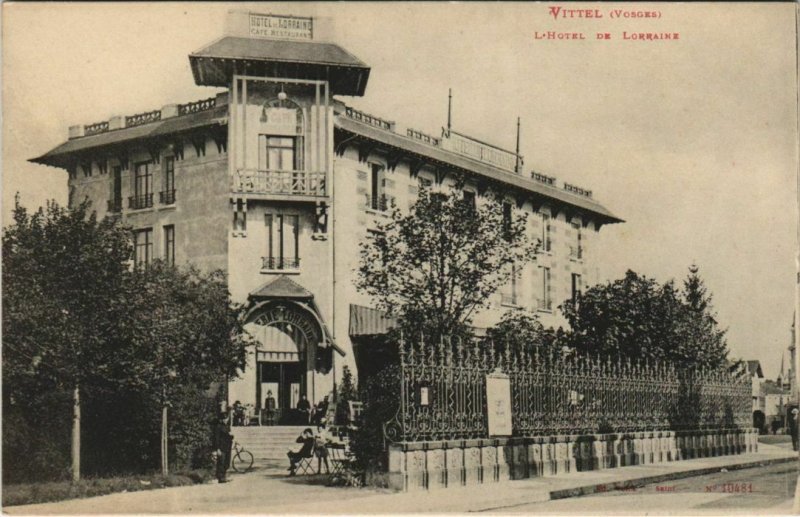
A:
(281, 135)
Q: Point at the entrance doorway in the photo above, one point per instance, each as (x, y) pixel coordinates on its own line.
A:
(286, 381)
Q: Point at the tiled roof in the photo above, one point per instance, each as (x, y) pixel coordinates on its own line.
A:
(59, 156)
(215, 64)
(282, 287)
(452, 159)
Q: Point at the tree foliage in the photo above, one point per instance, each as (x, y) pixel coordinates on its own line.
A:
(76, 313)
(436, 266)
(346, 392)
(520, 330)
(639, 318)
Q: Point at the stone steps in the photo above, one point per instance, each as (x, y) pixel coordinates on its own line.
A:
(268, 444)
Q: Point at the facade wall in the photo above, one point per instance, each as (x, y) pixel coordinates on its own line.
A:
(200, 212)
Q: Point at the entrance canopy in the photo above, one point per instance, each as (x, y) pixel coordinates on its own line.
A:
(283, 303)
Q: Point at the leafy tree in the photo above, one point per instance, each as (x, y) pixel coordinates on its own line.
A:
(436, 266)
(63, 272)
(347, 392)
(520, 330)
(79, 323)
(637, 317)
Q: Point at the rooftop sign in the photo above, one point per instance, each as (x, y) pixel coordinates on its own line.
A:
(487, 153)
(278, 26)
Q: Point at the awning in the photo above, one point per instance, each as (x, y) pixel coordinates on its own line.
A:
(284, 288)
(365, 321)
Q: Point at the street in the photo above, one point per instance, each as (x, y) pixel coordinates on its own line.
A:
(759, 490)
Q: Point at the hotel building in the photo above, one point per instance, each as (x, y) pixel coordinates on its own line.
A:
(277, 180)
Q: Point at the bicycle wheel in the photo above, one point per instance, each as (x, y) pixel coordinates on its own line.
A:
(243, 461)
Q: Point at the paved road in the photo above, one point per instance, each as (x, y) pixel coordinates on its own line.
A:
(759, 490)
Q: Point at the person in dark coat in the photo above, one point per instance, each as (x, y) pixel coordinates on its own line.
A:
(269, 408)
(793, 427)
(306, 451)
(223, 441)
(304, 408)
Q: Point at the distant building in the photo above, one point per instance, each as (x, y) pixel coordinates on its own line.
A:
(277, 180)
(776, 399)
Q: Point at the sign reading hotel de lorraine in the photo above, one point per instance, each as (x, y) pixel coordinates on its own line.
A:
(280, 26)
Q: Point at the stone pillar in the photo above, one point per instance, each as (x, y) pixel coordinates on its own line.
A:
(416, 473)
(505, 459)
(489, 461)
(473, 469)
(454, 461)
(548, 457)
(398, 479)
(435, 466)
(598, 453)
(571, 463)
(535, 462)
(519, 456)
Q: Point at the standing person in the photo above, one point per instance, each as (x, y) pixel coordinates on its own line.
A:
(304, 407)
(306, 451)
(269, 407)
(223, 441)
(793, 427)
(320, 441)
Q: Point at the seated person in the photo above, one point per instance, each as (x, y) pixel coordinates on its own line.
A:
(306, 451)
(304, 408)
(238, 413)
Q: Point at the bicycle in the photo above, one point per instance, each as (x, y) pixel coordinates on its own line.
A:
(242, 460)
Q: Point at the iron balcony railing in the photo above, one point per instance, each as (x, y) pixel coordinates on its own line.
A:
(167, 197)
(280, 262)
(576, 252)
(140, 201)
(508, 299)
(115, 205)
(275, 182)
(379, 203)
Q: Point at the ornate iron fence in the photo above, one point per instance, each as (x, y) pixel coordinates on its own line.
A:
(441, 392)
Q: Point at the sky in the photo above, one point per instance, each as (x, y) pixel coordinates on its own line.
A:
(693, 142)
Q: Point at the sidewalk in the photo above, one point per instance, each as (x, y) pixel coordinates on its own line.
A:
(272, 492)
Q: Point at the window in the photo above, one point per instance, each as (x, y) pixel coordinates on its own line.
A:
(240, 218)
(168, 194)
(115, 203)
(142, 187)
(87, 170)
(546, 244)
(576, 287)
(283, 241)
(377, 198)
(545, 302)
(280, 153)
(144, 247)
(509, 297)
(507, 220)
(576, 249)
(169, 244)
(469, 199)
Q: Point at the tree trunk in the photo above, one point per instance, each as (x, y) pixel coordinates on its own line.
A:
(76, 434)
(164, 442)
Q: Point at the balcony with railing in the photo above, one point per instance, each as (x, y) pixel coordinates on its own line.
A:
(115, 205)
(166, 197)
(378, 203)
(280, 263)
(276, 183)
(140, 201)
(576, 252)
(509, 299)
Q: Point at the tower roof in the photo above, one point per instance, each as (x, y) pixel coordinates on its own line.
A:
(215, 64)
